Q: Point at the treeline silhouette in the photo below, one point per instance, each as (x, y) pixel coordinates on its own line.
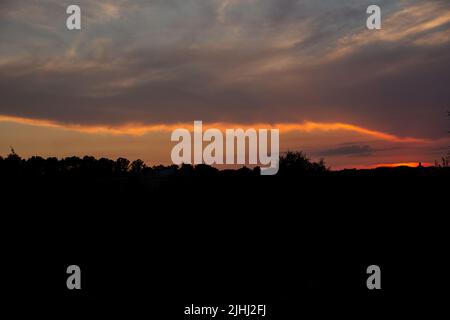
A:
(70, 167)
(292, 164)
(131, 183)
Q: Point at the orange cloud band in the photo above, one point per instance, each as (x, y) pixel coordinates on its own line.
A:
(141, 129)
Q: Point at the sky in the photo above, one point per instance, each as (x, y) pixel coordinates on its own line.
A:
(138, 69)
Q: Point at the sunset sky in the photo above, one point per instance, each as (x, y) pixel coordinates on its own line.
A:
(138, 69)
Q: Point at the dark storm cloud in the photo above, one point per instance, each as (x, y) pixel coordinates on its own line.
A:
(236, 61)
(349, 150)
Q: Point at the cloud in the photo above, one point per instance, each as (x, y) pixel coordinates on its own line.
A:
(253, 61)
(139, 128)
(349, 150)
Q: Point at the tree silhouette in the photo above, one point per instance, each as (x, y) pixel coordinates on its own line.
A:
(122, 165)
(448, 152)
(137, 166)
(297, 163)
(13, 163)
(186, 170)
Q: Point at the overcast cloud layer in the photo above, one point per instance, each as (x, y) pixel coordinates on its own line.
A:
(240, 61)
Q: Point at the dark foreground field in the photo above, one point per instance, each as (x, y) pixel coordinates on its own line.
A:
(152, 241)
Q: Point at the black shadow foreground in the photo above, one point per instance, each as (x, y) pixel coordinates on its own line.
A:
(151, 241)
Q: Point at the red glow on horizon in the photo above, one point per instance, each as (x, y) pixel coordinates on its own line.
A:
(398, 164)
